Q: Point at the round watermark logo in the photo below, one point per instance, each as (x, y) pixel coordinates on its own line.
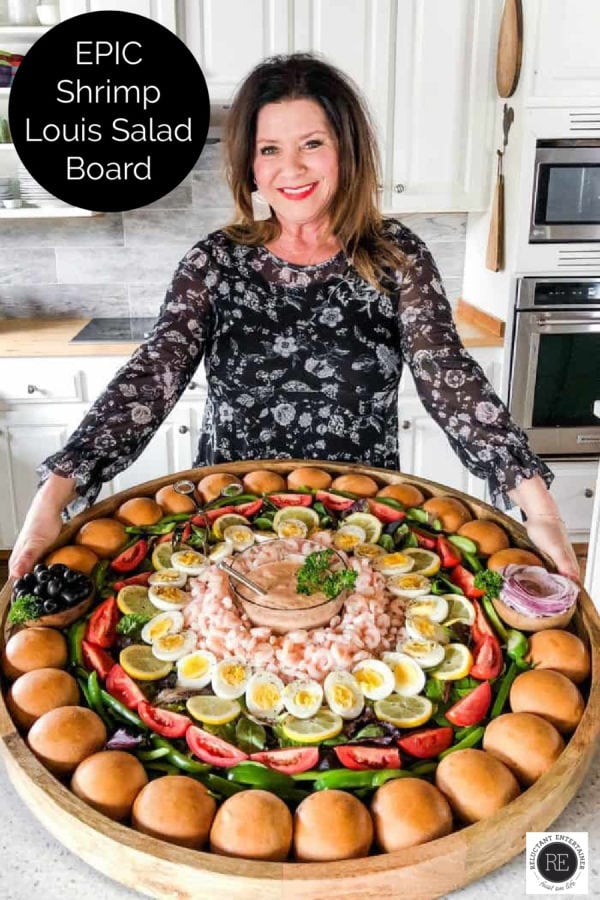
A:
(557, 863)
(109, 111)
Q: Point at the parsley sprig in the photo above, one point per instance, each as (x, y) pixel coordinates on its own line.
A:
(489, 581)
(317, 575)
(24, 609)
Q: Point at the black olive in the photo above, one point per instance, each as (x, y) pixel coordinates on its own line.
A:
(30, 581)
(58, 569)
(39, 591)
(39, 568)
(43, 577)
(20, 585)
(54, 587)
(80, 591)
(71, 575)
(83, 583)
(70, 597)
(50, 606)
(22, 593)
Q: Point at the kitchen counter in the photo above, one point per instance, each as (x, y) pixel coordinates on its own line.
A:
(33, 863)
(50, 337)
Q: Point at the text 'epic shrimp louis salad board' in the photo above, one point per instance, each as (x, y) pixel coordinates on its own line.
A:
(300, 665)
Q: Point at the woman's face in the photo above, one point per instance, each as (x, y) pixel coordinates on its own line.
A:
(296, 160)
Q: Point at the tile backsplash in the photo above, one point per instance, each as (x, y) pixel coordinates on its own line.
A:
(119, 264)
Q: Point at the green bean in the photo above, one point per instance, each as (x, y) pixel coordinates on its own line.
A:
(345, 779)
(220, 785)
(382, 775)
(443, 585)
(175, 517)
(472, 560)
(263, 523)
(494, 618)
(471, 740)
(260, 776)
(121, 711)
(464, 544)
(180, 760)
(95, 695)
(424, 768)
(517, 647)
(310, 775)
(75, 637)
(161, 527)
(159, 766)
(504, 689)
(82, 682)
(149, 755)
(99, 573)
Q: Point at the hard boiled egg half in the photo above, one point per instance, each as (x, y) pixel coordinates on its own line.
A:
(375, 678)
(344, 694)
(159, 626)
(170, 647)
(195, 670)
(230, 678)
(168, 578)
(409, 677)
(264, 695)
(167, 598)
(303, 699)
(188, 562)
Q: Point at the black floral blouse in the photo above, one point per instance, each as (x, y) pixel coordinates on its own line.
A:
(301, 362)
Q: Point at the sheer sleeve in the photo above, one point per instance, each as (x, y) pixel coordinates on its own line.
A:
(453, 387)
(125, 417)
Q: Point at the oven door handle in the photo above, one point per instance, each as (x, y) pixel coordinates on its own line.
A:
(544, 323)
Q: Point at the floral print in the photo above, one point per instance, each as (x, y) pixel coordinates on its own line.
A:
(301, 362)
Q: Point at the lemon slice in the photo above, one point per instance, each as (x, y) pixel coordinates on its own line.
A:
(139, 662)
(370, 525)
(321, 727)
(303, 513)
(404, 712)
(426, 561)
(459, 610)
(213, 710)
(227, 521)
(456, 664)
(161, 555)
(133, 600)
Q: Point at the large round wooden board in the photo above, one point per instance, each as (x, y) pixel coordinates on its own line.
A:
(158, 869)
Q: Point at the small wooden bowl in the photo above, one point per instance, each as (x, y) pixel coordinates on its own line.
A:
(64, 618)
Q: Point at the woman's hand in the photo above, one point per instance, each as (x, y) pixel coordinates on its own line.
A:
(549, 534)
(544, 525)
(42, 524)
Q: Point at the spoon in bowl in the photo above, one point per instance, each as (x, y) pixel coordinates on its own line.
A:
(233, 573)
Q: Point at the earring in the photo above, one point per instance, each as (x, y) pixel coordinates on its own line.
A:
(260, 208)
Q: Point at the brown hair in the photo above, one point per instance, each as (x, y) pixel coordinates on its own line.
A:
(354, 214)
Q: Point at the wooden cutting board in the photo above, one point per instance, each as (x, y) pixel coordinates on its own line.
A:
(510, 48)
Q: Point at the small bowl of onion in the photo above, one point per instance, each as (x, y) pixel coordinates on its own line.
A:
(275, 566)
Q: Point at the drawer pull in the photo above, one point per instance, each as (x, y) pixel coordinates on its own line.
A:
(588, 492)
(183, 429)
(32, 388)
(399, 188)
(406, 424)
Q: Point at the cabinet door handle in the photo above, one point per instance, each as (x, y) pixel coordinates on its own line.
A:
(588, 492)
(32, 388)
(183, 429)
(406, 424)
(399, 188)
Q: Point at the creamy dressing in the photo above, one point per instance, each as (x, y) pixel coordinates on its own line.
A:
(279, 580)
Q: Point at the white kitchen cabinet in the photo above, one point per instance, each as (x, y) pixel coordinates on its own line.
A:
(563, 60)
(163, 11)
(592, 574)
(425, 67)
(574, 488)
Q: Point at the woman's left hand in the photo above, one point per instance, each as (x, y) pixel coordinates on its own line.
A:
(548, 533)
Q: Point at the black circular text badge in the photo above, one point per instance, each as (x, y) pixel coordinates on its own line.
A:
(109, 111)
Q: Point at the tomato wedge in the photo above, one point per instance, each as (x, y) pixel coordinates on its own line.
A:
(162, 721)
(142, 578)
(481, 627)
(335, 501)
(101, 628)
(465, 580)
(124, 688)
(290, 760)
(130, 559)
(427, 743)
(355, 756)
(449, 555)
(487, 654)
(384, 512)
(249, 509)
(470, 710)
(96, 659)
(281, 500)
(212, 749)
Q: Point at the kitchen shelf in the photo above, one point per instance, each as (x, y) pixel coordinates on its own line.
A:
(46, 212)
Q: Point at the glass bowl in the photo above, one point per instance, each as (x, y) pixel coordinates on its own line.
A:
(282, 609)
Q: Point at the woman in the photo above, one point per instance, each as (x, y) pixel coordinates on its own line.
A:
(305, 310)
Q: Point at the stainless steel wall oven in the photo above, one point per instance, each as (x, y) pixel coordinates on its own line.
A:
(554, 391)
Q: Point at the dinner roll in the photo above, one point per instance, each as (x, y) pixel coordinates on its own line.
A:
(139, 511)
(175, 808)
(253, 824)
(82, 559)
(210, 486)
(475, 783)
(361, 485)
(106, 537)
(34, 648)
(550, 695)
(526, 743)
(489, 537)
(562, 651)
(263, 481)
(109, 781)
(407, 812)
(64, 737)
(39, 691)
(407, 494)
(450, 511)
(171, 502)
(330, 825)
(309, 477)
(502, 558)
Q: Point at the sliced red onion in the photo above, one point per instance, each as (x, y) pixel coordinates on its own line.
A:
(533, 591)
(123, 740)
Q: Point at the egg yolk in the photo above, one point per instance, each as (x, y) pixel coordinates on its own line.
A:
(170, 641)
(402, 675)
(395, 559)
(233, 674)
(169, 576)
(424, 626)
(304, 698)
(190, 559)
(169, 593)
(411, 581)
(343, 696)
(160, 629)
(194, 668)
(292, 529)
(367, 678)
(265, 696)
